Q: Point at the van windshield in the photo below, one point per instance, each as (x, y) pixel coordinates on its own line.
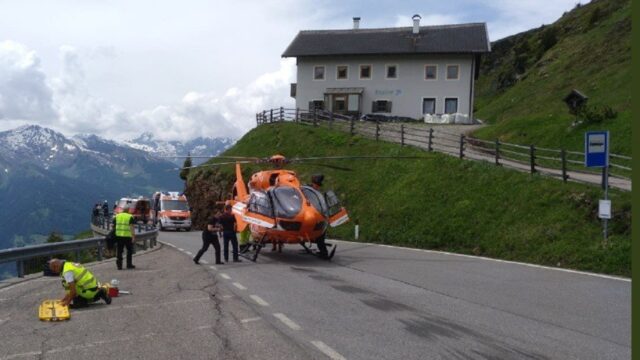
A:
(174, 205)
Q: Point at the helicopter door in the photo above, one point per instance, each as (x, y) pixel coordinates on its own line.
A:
(259, 210)
(337, 214)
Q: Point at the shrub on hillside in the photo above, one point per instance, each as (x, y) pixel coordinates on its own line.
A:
(590, 115)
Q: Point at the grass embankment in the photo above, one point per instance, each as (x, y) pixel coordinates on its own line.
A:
(442, 202)
(524, 80)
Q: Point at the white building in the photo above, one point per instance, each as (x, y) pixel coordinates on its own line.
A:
(406, 71)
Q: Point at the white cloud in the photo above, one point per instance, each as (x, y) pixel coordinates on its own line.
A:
(71, 108)
(24, 93)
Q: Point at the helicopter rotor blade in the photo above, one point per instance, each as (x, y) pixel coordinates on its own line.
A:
(356, 157)
(326, 165)
(213, 165)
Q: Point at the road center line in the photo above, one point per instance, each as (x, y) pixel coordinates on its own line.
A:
(188, 252)
(244, 321)
(325, 349)
(259, 300)
(285, 320)
(181, 249)
(225, 276)
(239, 286)
(204, 262)
(213, 268)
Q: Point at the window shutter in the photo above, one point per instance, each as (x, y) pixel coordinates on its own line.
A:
(310, 105)
(373, 106)
(388, 106)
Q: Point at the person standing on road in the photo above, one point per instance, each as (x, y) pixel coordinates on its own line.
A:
(210, 237)
(228, 222)
(80, 285)
(125, 237)
(316, 184)
(105, 209)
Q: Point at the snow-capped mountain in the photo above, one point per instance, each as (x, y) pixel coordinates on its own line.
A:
(173, 150)
(50, 182)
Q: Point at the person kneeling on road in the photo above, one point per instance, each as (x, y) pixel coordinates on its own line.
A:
(80, 285)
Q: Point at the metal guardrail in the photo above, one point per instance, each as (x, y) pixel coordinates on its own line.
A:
(145, 235)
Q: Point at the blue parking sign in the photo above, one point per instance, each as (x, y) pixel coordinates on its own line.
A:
(596, 149)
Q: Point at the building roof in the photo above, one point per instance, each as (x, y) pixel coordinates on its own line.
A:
(442, 39)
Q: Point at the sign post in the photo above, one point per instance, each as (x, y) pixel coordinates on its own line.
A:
(596, 154)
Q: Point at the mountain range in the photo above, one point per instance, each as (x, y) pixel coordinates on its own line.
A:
(49, 182)
(176, 150)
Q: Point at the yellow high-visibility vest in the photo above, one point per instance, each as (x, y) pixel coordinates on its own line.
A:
(123, 221)
(83, 279)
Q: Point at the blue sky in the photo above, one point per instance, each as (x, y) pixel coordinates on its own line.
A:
(193, 67)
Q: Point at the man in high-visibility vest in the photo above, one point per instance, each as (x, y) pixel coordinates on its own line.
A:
(123, 223)
(80, 285)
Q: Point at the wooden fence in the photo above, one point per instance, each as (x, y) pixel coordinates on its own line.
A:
(561, 163)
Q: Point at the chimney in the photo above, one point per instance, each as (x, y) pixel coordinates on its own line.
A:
(356, 23)
(416, 23)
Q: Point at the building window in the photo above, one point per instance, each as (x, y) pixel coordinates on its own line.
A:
(354, 103)
(452, 72)
(431, 72)
(342, 72)
(381, 106)
(318, 73)
(429, 106)
(316, 105)
(365, 72)
(450, 105)
(392, 71)
(340, 103)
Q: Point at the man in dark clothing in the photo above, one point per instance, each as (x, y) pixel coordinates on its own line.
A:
(210, 237)
(316, 183)
(105, 209)
(228, 222)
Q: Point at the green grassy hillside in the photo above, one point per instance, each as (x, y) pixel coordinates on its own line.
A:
(525, 78)
(441, 202)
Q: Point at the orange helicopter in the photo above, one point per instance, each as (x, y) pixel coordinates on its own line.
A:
(277, 208)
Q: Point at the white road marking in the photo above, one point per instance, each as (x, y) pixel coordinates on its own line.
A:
(259, 300)
(282, 317)
(244, 321)
(496, 260)
(188, 253)
(15, 356)
(327, 350)
(227, 296)
(213, 268)
(204, 262)
(204, 327)
(181, 249)
(225, 276)
(239, 286)
(3, 320)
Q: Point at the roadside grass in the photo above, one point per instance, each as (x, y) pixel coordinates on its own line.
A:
(444, 203)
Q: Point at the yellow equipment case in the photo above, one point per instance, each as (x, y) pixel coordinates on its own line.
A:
(53, 310)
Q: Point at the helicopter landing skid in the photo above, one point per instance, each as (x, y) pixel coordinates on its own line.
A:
(307, 250)
(256, 246)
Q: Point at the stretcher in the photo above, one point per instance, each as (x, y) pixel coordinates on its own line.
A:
(53, 310)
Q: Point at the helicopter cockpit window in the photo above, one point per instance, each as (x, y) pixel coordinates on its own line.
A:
(287, 201)
(333, 203)
(260, 203)
(316, 199)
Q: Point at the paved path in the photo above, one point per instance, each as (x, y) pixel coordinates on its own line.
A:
(370, 302)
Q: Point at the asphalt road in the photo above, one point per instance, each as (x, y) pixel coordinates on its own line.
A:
(370, 302)
(379, 302)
